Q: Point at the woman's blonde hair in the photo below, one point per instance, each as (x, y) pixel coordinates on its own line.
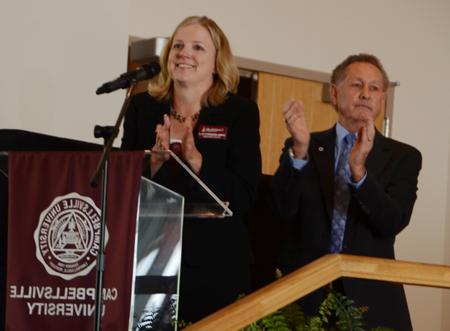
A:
(226, 77)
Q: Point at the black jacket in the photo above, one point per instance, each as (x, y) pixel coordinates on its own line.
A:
(231, 168)
(379, 210)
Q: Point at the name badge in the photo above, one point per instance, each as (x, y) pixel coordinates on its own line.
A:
(212, 132)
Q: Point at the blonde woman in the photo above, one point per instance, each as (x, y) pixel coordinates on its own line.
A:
(192, 109)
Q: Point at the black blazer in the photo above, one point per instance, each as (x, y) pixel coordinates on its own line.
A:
(231, 168)
(379, 210)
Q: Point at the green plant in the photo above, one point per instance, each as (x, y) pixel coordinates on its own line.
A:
(336, 313)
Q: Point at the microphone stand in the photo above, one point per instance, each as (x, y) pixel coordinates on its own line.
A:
(108, 133)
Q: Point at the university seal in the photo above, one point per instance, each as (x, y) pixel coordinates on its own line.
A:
(67, 237)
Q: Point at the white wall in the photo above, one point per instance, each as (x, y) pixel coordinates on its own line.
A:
(55, 54)
(446, 300)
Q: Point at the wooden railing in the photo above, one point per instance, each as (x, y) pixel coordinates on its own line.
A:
(315, 275)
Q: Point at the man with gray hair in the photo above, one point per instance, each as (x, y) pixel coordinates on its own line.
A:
(348, 189)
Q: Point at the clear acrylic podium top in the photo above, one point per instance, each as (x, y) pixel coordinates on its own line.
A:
(158, 249)
(157, 258)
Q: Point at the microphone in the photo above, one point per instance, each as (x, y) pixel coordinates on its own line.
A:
(144, 72)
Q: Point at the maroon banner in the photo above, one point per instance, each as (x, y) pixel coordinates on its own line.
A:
(53, 240)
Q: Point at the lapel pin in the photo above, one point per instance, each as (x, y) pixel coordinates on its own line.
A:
(320, 149)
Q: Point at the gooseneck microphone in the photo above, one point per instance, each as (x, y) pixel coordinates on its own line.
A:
(143, 72)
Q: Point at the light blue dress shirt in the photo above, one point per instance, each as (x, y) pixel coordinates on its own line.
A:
(341, 132)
